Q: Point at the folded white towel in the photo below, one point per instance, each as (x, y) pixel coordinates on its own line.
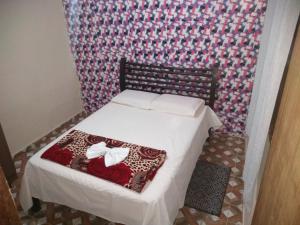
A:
(112, 156)
(96, 150)
(115, 156)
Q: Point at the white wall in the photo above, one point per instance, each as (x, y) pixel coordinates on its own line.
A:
(280, 23)
(39, 89)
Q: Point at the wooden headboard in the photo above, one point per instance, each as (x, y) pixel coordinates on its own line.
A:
(192, 82)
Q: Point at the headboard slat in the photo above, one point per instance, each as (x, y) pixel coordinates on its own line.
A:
(160, 67)
(179, 72)
(179, 77)
(201, 90)
(169, 87)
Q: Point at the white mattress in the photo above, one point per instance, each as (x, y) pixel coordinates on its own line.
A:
(182, 137)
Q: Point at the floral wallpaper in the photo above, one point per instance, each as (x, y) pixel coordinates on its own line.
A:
(191, 33)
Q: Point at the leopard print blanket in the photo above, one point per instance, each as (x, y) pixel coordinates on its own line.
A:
(139, 167)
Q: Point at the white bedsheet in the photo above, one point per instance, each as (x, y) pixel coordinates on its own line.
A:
(158, 204)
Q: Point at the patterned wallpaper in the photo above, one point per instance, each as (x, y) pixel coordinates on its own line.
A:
(192, 33)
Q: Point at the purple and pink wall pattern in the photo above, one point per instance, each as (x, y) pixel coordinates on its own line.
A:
(191, 33)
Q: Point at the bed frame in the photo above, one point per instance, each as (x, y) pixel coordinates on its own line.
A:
(192, 82)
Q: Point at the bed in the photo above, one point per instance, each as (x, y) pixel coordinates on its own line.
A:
(182, 137)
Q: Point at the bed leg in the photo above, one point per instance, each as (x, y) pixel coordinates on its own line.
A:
(188, 216)
(50, 213)
(36, 207)
(210, 133)
(66, 214)
(85, 218)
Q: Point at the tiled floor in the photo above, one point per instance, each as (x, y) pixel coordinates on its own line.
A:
(229, 151)
(221, 149)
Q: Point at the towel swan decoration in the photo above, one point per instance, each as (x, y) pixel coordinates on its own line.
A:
(112, 156)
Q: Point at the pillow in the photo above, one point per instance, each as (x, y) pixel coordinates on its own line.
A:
(180, 105)
(138, 99)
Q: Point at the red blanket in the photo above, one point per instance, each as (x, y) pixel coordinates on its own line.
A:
(139, 167)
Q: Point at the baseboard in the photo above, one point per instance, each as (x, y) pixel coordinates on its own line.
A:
(72, 118)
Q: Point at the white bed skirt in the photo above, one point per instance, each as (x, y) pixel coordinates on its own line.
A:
(158, 204)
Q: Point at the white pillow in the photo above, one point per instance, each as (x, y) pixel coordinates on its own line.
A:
(176, 104)
(138, 99)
